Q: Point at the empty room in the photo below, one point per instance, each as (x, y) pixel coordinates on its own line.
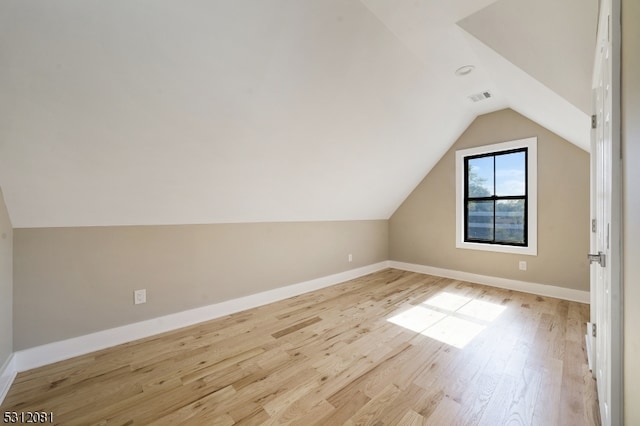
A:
(319, 212)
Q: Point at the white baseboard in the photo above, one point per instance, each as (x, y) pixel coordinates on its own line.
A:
(7, 375)
(65, 349)
(523, 286)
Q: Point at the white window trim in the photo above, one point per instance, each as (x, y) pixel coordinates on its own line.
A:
(532, 201)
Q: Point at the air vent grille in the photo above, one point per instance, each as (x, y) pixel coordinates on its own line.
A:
(480, 96)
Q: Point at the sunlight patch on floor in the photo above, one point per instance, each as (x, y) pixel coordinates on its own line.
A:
(417, 318)
(449, 318)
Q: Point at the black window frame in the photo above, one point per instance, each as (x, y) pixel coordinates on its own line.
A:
(496, 198)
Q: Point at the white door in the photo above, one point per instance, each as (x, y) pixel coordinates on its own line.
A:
(600, 242)
(605, 238)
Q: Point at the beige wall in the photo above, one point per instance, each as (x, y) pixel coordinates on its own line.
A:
(631, 206)
(6, 284)
(74, 281)
(422, 230)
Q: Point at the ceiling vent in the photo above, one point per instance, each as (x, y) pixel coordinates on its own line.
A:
(480, 96)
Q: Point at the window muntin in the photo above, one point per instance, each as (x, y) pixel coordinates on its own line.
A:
(495, 199)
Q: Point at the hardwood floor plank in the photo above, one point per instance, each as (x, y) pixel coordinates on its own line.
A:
(547, 406)
(411, 418)
(345, 409)
(589, 395)
(199, 408)
(446, 413)
(296, 327)
(413, 399)
(333, 357)
(375, 408)
(571, 394)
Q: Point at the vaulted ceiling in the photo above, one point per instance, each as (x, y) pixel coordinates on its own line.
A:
(175, 112)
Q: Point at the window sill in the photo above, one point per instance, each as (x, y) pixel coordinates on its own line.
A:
(528, 251)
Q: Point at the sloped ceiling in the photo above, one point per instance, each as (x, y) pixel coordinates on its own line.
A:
(164, 112)
(553, 32)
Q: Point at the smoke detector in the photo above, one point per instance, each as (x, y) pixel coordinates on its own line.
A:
(465, 70)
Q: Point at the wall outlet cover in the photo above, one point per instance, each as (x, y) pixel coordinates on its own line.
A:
(140, 296)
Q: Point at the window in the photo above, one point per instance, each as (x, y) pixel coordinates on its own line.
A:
(496, 197)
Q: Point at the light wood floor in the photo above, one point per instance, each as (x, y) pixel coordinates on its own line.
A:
(331, 357)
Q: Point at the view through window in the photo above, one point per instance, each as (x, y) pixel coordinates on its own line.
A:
(496, 197)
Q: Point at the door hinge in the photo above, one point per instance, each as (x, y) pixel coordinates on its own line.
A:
(593, 330)
(593, 225)
(594, 121)
(600, 258)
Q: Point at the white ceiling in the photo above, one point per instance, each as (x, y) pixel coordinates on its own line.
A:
(162, 112)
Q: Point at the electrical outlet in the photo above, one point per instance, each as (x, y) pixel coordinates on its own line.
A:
(139, 296)
(350, 257)
(523, 265)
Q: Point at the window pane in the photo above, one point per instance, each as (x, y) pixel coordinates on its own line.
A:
(480, 220)
(510, 221)
(510, 174)
(480, 179)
